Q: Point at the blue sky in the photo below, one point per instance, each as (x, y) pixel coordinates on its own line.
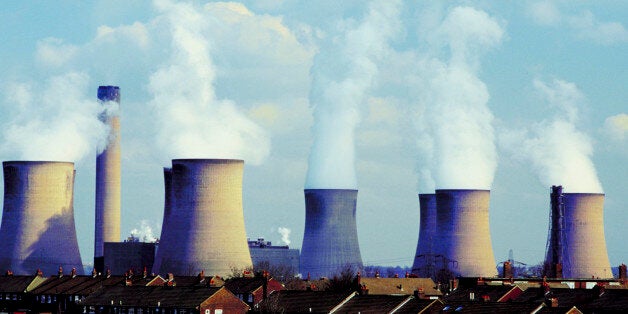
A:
(533, 93)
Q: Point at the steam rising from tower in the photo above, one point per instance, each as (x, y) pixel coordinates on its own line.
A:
(107, 227)
(330, 242)
(464, 238)
(38, 230)
(205, 227)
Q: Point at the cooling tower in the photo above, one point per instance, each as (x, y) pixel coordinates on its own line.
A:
(552, 267)
(425, 251)
(464, 238)
(166, 220)
(107, 228)
(330, 241)
(205, 227)
(585, 254)
(38, 230)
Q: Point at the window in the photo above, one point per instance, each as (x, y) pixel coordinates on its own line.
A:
(218, 311)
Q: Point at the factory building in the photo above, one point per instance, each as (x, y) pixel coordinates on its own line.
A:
(130, 255)
(276, 256)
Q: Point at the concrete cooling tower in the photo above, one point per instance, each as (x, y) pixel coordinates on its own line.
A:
(585, 254)
(330, 241)
(424, 259)
(464, 238)
(38, 230)
(107, 228)
(205, 227)
(161, 248)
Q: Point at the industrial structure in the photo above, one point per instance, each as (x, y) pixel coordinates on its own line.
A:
(107, 228)
(38, 230)
(576, 246)
(585, 254)
(205, 227)
(464, 239)
(330, 240)
(276, 256)
(424, 259)
(130, 256)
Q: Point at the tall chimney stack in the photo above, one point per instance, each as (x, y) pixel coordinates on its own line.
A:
(424, 259)
(107, 227)
(38, 230)
(204, 229)
(464, 239)
(330, 241)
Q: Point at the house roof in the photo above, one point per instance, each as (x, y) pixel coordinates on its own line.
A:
(244, 285)
(374, 303)
(19, 284)
(299, 301)
(180, 296)
(494, 293)
(405, 286)
(488, 307)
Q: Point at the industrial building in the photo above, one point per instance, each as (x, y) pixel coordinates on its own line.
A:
(107, 226)
(38, 230)
(130, 255)
(205, 229)
(425, 257)
(330, 240)
(464, 239)
(276, 256)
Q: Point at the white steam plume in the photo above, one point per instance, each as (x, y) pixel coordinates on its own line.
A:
(285, 234)
(144, 232)
(456, 137)
(193, 123)
(54, 122)
(341, 75)
(558, 152)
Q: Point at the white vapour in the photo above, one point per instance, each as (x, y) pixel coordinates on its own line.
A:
(56, 122)
(285, 234)
(341, 75)
(558, 152)
(192, 122)
(144, 232)
(455, 132)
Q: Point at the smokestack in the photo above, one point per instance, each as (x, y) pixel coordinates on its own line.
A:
(585, 247)
(330, 241)
(552, 267)
(107, 227)
(423, 264)
(205, 227)
(38, 230)
(464, 239)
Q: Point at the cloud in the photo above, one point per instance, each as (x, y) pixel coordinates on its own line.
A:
(617, 126)
(57, 121)
(454, 129)
(344, 70)
(556, 149)
(583, 25)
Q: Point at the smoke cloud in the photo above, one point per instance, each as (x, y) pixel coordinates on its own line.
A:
(557, 150)
(285, 234)
(144, 232)
(192, 121)
(341, 74)
(455, 132)
(57, 121)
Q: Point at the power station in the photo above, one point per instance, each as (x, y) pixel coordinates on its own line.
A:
(205, 227)
(425, 257)
(330, 240)
(464, 239)
(38, 230)
(107, 227)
